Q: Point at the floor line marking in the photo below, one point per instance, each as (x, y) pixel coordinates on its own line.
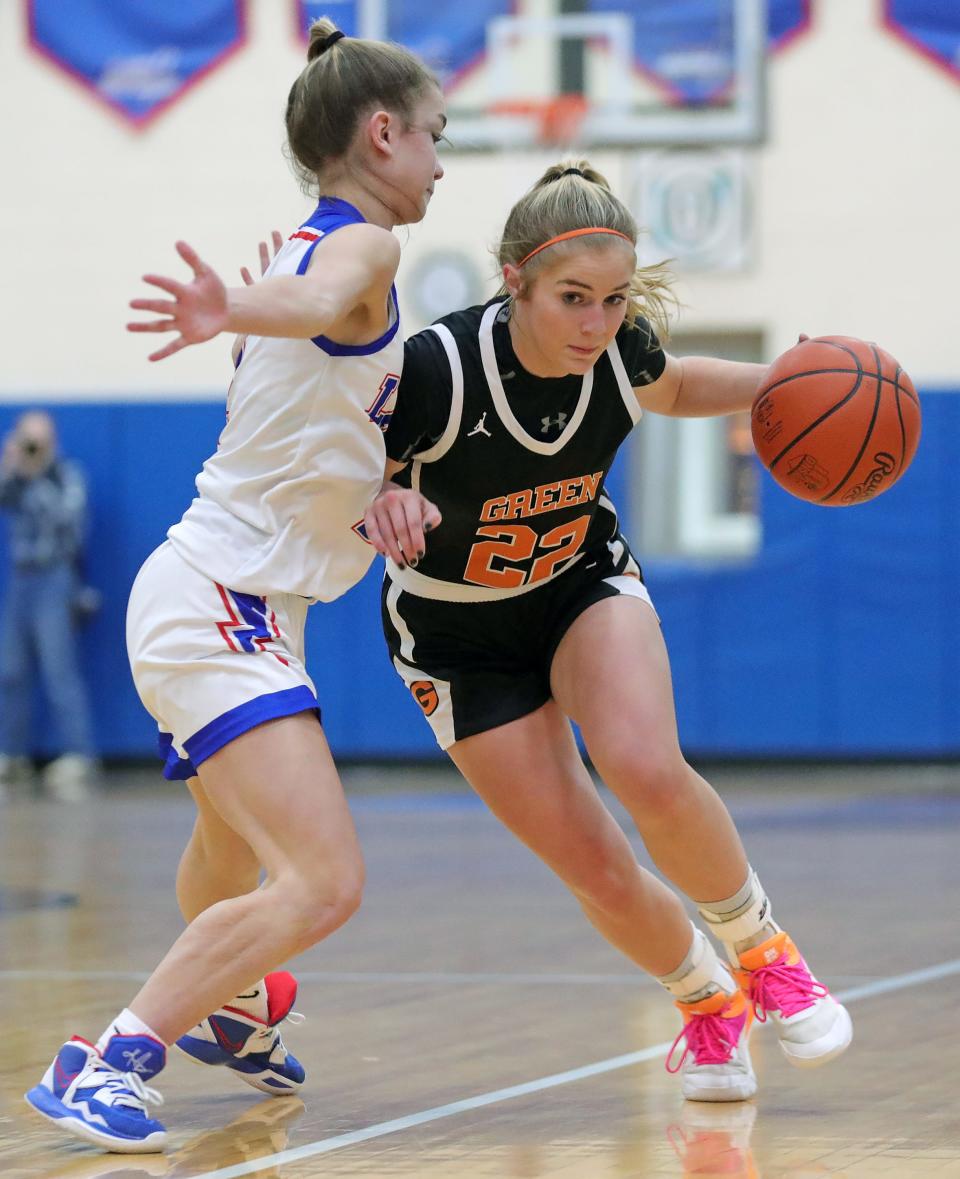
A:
(439, 1112)
(350, 976)
(400, 977)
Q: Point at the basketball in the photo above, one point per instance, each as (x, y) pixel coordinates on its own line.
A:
(836, 421)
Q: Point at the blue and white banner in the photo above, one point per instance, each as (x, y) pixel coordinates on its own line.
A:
(786, 20)
(686, 47)
(450, 39)
(932, 27)
(138, 56)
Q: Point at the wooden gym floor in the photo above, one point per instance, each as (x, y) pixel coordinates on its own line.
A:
(468, 1023)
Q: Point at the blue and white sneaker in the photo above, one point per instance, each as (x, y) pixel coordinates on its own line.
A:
(103, 1099)
(245, 1036)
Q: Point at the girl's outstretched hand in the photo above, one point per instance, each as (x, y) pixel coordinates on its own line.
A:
(397, 521)
(197, 310)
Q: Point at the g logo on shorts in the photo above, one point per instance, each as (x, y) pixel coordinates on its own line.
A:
(425, 694)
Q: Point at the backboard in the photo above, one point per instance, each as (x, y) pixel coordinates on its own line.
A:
(526, 73)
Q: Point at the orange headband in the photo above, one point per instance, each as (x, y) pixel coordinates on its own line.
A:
(562, 237)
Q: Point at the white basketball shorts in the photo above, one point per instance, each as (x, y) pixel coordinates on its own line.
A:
(209, 662)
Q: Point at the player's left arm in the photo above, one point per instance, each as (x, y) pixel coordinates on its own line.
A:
(397, 521)
(691, 387)
(701, 387)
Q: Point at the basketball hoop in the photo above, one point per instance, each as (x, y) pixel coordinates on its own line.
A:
(555, 121)
(511, 103)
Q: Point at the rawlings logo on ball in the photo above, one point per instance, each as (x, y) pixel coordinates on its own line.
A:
(886, 465)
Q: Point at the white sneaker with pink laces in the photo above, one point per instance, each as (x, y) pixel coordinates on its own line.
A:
(811, 1025)
(715, 1062)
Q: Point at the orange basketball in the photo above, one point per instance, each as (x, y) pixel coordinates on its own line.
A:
(836, 421)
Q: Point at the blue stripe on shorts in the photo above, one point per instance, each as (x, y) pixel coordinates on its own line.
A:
(224, 728)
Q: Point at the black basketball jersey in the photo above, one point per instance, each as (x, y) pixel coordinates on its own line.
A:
(515, 463)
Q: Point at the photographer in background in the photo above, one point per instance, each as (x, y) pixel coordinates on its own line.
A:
(45, 498)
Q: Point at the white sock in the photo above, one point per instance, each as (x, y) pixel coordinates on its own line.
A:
(700, 974)
(126, 1024)
(741, 921)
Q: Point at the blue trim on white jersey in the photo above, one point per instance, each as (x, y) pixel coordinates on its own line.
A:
(307, 255)
(328, 207)
(332, 348)
(231, 724)
(331, 214)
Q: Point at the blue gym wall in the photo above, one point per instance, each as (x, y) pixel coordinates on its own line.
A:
(839, 639)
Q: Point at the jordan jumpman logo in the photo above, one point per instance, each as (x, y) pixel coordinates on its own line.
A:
(480, 428)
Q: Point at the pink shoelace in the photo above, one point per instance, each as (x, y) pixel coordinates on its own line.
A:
(785, 988)
(710, 1038)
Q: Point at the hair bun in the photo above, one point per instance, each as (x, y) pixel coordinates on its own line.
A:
(323, 34)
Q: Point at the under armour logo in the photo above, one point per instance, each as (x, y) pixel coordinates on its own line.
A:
(138, 1060)
(559, 421)
(480, 428)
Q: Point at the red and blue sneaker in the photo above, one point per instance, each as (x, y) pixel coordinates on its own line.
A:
(103, 1098)
(245, 1036)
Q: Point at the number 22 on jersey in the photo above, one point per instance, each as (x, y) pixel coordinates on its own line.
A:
(503, 561)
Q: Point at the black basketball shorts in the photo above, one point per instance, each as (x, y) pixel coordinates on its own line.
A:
(472, 666)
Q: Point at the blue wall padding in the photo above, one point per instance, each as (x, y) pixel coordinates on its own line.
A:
(841, 638)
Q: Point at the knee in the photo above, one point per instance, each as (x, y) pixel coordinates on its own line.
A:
(315, 906)
(654, 784)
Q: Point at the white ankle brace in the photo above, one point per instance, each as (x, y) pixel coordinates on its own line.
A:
(733, 922)
(700, 974)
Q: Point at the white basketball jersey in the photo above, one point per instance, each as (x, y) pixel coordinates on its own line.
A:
(280, 504)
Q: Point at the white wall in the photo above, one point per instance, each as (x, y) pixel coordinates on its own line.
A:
(856, 200)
